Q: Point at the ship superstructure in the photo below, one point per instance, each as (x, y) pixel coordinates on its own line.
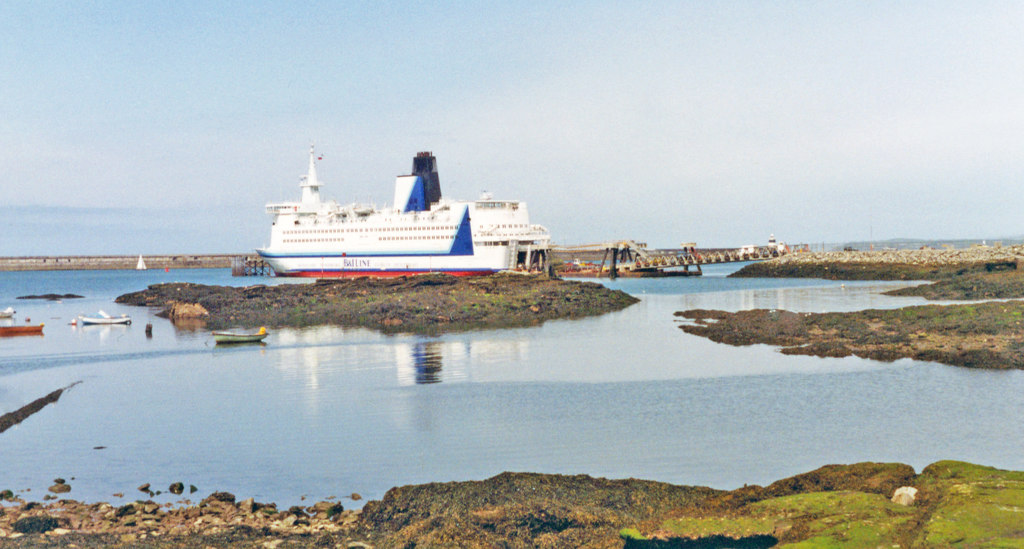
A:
(421, 233)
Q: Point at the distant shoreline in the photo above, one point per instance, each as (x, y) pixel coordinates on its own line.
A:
(119, 262)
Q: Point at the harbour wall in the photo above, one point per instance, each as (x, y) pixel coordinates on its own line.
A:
(111, 262)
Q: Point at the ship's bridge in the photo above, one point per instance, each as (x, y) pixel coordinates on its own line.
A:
(497, 205)
(282, 207)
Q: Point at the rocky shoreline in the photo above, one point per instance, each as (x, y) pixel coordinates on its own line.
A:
(970, 286)
(983, 335)
(858, 505)
(426, 304)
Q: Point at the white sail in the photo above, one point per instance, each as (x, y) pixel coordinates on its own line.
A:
(141, 265)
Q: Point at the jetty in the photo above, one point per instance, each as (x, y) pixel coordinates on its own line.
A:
(250, 265)
(629, 258)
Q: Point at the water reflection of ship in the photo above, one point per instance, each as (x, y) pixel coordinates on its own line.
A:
(413, 360)
(434, 361)
(421, 362)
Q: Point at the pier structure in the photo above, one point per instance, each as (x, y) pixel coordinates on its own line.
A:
(250, 265)
(629, 258)
(626, 258)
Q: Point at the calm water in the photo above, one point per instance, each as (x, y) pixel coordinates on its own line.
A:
(327, 412)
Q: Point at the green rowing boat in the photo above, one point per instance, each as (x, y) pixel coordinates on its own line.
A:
(236, 337)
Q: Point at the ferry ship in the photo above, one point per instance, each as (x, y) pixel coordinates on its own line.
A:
(421, 233)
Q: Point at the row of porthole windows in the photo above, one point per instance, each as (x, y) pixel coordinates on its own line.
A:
(294, 240)
(432, 237)
(374, 230)
(433, 228)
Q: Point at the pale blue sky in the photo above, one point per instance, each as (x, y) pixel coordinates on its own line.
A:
(662, 121)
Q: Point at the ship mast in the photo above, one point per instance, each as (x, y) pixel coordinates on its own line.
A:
(310, 184)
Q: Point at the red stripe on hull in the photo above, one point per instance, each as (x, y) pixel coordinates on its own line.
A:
(378, 274)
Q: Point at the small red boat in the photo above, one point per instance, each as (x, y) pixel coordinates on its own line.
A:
(21, 330)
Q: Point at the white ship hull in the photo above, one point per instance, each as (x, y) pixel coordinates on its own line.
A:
(333, 264)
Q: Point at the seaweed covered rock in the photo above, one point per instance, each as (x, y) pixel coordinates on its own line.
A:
(982, 335)
(522, 510)
(416, 304)
(1007, 284)
(35, 524)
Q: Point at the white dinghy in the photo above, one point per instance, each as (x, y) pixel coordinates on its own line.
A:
(103, 318)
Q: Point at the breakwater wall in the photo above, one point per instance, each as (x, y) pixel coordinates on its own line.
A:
(109, 262)
(924, 264)
(927, 257)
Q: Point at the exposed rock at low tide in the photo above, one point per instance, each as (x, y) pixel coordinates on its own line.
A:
(858, 505)
(521, 510)
(51, 297)
(177, 310)
(60, 488)
(11, 419)
(417, 304)
(1004, 284)
(222, 497)
(213, 523)
(983, 335)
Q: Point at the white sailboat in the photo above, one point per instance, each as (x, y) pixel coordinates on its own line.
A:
(141, 265)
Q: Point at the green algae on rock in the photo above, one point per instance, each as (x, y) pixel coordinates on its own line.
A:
(417, 304)
(960, 505)
(835, 505)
